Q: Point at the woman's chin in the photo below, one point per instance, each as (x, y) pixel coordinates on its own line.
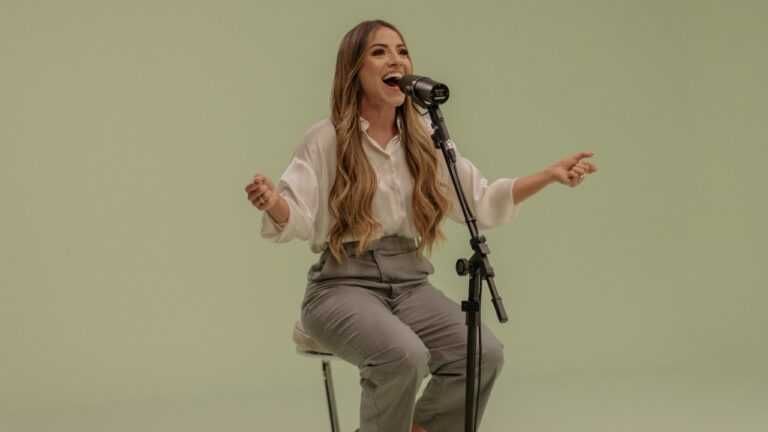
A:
(389, 100)
(393, 96)
(396, 101)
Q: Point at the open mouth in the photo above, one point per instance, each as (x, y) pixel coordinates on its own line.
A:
(392, 81)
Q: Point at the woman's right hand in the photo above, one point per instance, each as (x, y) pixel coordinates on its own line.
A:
(261, 193)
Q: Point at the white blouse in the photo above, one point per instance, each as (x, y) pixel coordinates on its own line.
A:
(307, 182)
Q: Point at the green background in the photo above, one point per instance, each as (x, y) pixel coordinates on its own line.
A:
(137, 295)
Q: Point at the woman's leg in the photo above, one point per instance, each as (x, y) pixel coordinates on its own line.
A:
(357, 324)
(440, 324)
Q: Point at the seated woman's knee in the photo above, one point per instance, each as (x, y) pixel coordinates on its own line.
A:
(411, 359)
(493, 353)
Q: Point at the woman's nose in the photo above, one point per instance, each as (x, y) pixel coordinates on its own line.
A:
(395, 60)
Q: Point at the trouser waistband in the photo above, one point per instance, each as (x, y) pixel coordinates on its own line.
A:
(392, 243)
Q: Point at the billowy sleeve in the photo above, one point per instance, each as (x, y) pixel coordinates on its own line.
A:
(490, 202)
(299, 187)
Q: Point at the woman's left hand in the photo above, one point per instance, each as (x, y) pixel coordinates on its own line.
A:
(572, 170)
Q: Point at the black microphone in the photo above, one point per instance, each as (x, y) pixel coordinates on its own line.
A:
(423, 90)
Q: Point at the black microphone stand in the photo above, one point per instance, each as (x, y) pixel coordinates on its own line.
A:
(478, 267)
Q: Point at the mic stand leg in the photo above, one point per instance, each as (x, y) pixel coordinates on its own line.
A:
(471, 308)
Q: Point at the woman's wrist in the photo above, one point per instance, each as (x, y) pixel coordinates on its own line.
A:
(279, 211)
(526, 186)
(549, 174)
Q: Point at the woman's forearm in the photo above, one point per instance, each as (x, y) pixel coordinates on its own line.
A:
(280, 211)
(526, 186)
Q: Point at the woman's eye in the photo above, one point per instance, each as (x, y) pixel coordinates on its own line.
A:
(404, 53)
(377, 52)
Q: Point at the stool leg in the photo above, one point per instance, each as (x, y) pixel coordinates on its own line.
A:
(330, 396)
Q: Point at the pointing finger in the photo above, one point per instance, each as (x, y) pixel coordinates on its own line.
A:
(579, 156)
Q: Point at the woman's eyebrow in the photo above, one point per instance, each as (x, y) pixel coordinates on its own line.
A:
(385, 46)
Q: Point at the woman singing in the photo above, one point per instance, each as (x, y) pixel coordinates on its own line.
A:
(368, 190)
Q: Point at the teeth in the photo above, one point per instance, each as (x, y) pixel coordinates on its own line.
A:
(393, 74)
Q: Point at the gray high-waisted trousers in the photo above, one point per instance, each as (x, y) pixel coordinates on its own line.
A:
(379, 312)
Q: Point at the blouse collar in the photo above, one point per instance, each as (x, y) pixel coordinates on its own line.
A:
(365, 124)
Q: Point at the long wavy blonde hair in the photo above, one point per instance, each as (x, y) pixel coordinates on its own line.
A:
(355, 183)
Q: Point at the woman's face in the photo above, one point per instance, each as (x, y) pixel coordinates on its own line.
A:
(385, 56)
